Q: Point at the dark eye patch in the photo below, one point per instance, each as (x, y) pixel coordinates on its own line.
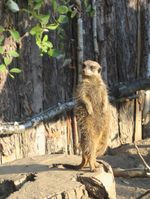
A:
(92, 67)
(99, 70)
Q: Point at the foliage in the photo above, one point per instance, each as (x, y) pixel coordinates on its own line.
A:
(88, 8)
(53, 20)
(10, 38)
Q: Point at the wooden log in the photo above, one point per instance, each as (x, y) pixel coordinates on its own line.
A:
(132, 173)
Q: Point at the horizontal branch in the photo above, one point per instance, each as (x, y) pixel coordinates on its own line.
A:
(120, 91)
(51, 113)
(125, 89)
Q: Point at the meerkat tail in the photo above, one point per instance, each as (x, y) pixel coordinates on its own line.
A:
(73, 167)
(76, 167)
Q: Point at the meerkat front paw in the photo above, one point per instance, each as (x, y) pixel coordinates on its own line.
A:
(90, 110)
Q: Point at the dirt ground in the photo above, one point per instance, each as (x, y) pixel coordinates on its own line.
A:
(126, 157)
(44, 181)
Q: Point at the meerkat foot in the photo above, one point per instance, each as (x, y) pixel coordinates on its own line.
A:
(93, 169)
(97, 165)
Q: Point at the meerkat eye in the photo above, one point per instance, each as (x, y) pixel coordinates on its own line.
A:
(99, 70)
(91, 67)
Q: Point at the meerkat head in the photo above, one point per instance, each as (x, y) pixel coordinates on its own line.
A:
(90, 68)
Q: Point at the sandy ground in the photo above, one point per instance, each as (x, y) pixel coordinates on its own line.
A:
(126, 157)
(46, 179)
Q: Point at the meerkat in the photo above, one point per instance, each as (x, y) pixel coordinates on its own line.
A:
(92, 113)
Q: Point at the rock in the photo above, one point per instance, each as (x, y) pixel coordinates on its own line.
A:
(34, 178)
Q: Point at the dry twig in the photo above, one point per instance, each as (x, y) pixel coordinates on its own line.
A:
(144, 194)
(133, 172)
(144, 162)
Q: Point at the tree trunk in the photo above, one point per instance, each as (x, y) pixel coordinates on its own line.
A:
(146, 110)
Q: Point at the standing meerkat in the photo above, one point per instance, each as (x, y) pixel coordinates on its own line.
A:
(92, 113)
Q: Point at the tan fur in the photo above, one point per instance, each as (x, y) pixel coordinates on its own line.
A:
(92, 112)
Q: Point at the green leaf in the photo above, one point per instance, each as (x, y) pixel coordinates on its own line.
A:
(91, 13)
(45, 38)
(62, 19)
(73, 13)
(49, 44)
(15, 34)
(1, 50)
(89, 8)
(1, 38)
(52, 26)
(15, 70)
(13, 53)
(36, 29)
(38, 42)
(62, 9)
(44, 19)
(2, 67)
(12, 5)
(7, 60)
(38, 5)
(1, 29)
(53, 53)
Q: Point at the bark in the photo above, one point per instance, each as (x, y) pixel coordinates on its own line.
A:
(146, 109)
(94, 28)
(138, 110)
(80, 42)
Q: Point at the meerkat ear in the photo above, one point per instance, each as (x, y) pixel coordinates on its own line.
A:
(99, 70)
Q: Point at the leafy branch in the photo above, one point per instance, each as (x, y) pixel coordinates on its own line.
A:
(10, 37)
(8, 49)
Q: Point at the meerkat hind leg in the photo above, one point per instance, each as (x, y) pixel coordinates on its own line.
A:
(92, 159)
(84, 161)
(93, 164)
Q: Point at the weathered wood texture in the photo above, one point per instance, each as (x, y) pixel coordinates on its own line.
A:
(45, 138)
(122, 37)
(43, 83)
(146, 111)
(122, 34)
